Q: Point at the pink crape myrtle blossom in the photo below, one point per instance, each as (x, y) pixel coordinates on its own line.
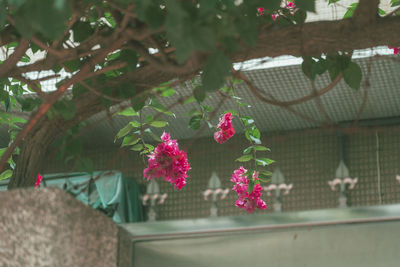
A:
(247, 201)
(168, 162)
(289, 5)
(225, 127)
(38, 180)
(396, 50)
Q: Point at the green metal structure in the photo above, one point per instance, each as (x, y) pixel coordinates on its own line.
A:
(368, 236)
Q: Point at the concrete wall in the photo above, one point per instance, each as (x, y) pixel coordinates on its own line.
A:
(48, 227)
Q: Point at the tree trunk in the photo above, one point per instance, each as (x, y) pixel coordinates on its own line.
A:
(37, 143)
(32, 155)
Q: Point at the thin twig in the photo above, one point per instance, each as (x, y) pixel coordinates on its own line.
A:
(47, 48)
(366, 86)
(15, 57)
(319, 104)
(32, 84)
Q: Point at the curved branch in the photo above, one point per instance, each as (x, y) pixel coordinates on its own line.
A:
(314, 94)
(12, 61)
(275, 102)
(52, 98)
(32, 84)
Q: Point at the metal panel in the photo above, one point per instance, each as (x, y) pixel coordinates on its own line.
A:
(338, 237)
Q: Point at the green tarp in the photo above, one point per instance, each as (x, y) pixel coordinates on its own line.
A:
(107, 191)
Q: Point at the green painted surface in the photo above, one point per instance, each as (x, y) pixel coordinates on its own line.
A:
(339, 237)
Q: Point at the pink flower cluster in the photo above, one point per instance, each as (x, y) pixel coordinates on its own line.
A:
(289, 5)
(38, 180)
(168, 162)
(247, 201)
(396, 50)
(226, 129)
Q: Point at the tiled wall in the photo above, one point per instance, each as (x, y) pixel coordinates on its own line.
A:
(308, 159)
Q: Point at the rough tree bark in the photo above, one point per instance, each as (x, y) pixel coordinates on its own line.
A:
(39, 140)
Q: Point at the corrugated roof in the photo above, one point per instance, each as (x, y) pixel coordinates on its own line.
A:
(284, 83)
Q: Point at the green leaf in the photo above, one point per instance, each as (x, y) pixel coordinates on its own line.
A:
(394, 3)
(245, 158)
(306, 66)
(266, 173)
(195, 122)
(189, 100)
(186, 31)
(343, 61)
(261, 148)
(199, 94)
(333, 67)
(247, 28)
(217, 67)
(82, 30)
(130, 140)
(149, 147)
(255, 139)
(253, 134)
(207, 108)
(247, 120)
(350, 10)
(155, 137)
(232, 111)
(158, 124)
(128, 112)
(307, 5)
(149, 118)
(6, 174)
(25, 59)
(15, 119)
(135, 124)
(72, 65)
(247, 150)
(29, 104)
(16, 3)
(138, 102)
(137, 147)
(264, 179)
(131, 58)
(2, 150)
(124, 131)
(154, 103)
(318, 67)
(47, 17)
(353, 75)
(264, 161)
(251, 186)
(168, 92)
